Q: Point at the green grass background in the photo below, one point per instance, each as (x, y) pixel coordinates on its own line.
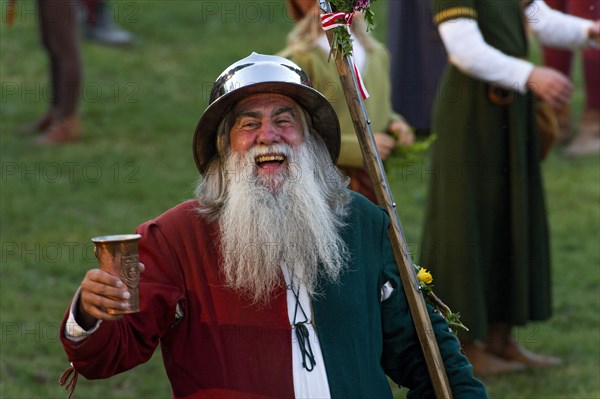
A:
(139, 109)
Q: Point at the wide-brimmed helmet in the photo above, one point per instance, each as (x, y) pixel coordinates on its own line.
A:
(257, 74)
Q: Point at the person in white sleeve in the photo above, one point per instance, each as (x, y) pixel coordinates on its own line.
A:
(485, 232)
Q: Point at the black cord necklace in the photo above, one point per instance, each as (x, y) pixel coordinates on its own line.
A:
(302, 333)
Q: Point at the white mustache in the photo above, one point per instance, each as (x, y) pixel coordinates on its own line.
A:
(278, 150)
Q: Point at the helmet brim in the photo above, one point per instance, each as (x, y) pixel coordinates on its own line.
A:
(323, 117)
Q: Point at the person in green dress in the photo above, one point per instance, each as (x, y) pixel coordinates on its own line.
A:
(485, 234)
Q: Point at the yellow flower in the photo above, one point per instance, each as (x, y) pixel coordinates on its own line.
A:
(424, 276)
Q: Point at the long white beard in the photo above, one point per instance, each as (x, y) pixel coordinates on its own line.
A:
(270, 222)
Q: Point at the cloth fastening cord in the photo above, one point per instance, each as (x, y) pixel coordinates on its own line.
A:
(302, 333)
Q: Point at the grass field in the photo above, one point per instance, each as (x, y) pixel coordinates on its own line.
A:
(139, 109)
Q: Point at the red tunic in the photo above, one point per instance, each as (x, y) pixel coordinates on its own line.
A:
(218, 349)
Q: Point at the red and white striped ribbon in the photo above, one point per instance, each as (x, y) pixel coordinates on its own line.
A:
(333, 20)
(330, 20)
(361, 86)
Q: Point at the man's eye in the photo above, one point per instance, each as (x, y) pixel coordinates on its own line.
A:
(283, 122)
(249, 125)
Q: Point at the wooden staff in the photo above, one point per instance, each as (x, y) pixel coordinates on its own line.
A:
(416, 302)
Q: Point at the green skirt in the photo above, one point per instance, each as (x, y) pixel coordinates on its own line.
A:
(485, 237)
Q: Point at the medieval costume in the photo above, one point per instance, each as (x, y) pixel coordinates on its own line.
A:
(340, 341)
(311, 51)
(485, 232)
(324, 77)
(215, 344)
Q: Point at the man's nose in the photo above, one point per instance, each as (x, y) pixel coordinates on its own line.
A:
(268, 134)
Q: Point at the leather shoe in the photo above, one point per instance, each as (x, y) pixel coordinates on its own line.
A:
(63, 131)
(512, 351)
(485, 363)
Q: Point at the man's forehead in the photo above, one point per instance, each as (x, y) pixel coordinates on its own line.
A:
(260, 100)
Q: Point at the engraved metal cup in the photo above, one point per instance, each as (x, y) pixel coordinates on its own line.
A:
(118, 255)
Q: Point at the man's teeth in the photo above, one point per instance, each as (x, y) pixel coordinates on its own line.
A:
(270, 158)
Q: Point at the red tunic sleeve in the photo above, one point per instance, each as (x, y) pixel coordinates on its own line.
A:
(120, 345)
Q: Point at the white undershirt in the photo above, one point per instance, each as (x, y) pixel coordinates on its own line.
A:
(307, 384)
(468, 51)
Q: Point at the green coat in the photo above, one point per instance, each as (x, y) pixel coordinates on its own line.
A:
(325, 78)
(379, 337)
(486, 234)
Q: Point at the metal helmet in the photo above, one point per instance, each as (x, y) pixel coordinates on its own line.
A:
(257, 74)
